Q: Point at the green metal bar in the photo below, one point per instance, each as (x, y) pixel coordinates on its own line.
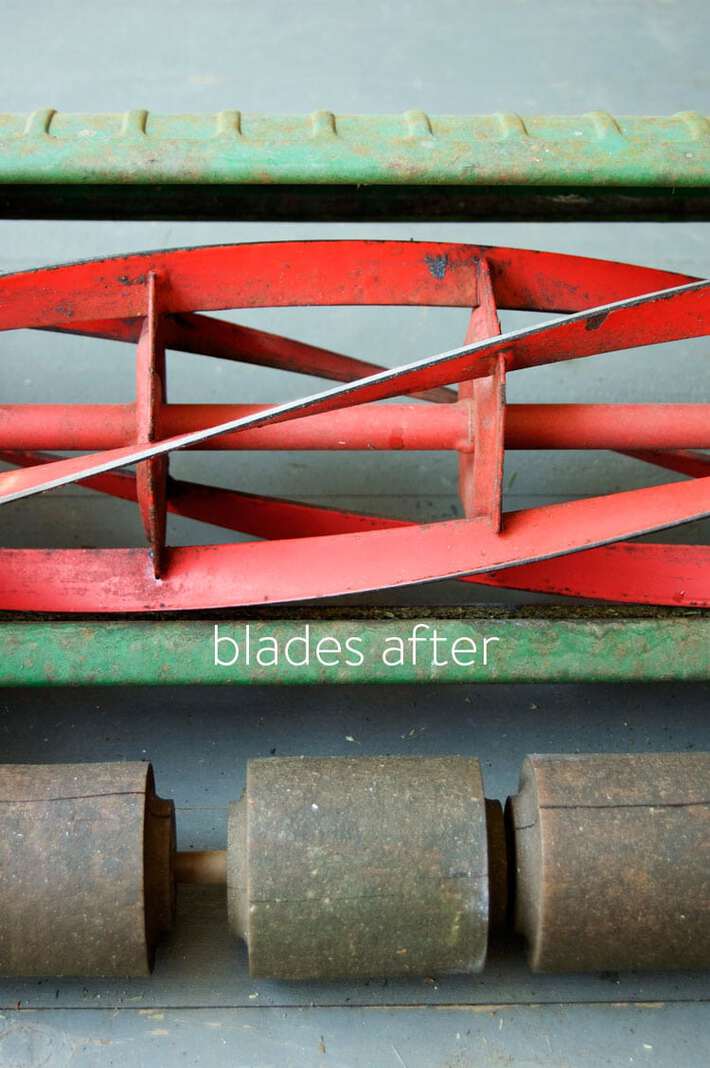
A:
(409, 149)
(234, 165)
(494, 645)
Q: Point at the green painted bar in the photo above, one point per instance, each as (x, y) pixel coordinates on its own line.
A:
(413, 148)
(235, 165)
(481, 645)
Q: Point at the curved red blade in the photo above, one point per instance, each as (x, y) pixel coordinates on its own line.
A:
(680, 312)
(299, 273)
(206, 336)
(627, 572)
(121, 580)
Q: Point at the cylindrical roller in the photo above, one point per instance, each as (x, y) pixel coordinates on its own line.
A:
(85, 869)
(612, 859)
(361, 867)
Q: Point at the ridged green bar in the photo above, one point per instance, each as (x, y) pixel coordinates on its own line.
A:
(413, 148)
(485, 645)
(442, 166)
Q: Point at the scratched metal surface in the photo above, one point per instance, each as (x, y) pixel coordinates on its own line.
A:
(634, 57)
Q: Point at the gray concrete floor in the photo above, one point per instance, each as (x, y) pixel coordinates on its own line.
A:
(627, 56)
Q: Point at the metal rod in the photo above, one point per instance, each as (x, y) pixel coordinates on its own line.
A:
(206, 866)
(533, 645)
(622, 427)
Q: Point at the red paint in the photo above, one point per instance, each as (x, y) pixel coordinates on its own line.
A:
(152, 474)
(650, 574)
(92, 427)
(481, 462)
(116, 580)
(205, 335)
(577, 548)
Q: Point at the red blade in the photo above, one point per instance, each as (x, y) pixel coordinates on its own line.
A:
(205, 336)
(285, 273)
(683, 311)
(245, 513)
(684, 461)
(301, 569)
(626, 572)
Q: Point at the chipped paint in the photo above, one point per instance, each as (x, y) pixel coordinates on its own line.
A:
(141, 164)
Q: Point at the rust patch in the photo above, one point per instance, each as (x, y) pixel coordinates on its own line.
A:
(126, 280)
(437, 266)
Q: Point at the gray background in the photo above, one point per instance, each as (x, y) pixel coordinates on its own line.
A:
(628, 56)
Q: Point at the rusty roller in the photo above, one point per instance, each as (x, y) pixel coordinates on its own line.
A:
(86, 886)
(364, 867)
(612, 861)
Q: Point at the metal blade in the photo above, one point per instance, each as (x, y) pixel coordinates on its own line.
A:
(671, 314)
